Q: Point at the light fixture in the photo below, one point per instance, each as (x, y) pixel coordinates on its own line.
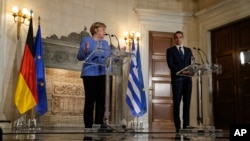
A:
(129, 37)
(19, 17)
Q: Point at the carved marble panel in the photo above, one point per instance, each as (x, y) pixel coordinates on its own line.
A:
(65, 91)
(67, 99)
(61, 52)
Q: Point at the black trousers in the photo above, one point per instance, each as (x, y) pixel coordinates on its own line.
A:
(94, 87)
(182, 89)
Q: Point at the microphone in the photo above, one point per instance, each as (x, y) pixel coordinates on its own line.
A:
(110, 41)
(198, 50)
(204, 55)
(117, 41)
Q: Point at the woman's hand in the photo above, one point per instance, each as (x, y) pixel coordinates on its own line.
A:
(86, 49)
(123, 49)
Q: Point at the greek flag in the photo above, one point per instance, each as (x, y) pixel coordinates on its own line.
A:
(136, 98)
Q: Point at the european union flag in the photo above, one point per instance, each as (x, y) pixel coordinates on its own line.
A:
(40, 74)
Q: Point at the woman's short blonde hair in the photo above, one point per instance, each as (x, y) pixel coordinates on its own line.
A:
(96, 25)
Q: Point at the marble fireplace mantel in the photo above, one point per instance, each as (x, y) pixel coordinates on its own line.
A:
(65, 92)
(61, 52)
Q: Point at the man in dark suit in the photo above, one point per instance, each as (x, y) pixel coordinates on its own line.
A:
(179, 57)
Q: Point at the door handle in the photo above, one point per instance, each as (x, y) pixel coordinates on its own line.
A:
(150, 91)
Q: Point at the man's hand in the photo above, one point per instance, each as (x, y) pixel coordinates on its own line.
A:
(186, 72)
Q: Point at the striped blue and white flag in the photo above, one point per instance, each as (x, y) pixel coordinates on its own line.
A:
(136, 97)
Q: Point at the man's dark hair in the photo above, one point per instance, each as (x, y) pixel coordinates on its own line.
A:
(178, 32)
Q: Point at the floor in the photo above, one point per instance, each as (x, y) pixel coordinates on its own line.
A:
(79, 134)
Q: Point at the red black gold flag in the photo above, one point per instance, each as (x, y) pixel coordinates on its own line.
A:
(26, 90)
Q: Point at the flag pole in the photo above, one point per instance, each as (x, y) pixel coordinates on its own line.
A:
(39, 18)
(137, 123)
(136, 98)
(32, 117)
(25, 100)
(42, 106)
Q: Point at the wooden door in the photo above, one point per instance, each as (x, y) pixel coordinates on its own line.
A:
(231, 91)
(243, 71)
(160, 95)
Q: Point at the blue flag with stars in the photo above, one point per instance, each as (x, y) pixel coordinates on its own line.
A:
(42, 106)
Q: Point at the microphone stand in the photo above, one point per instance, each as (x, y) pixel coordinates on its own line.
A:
(198, 50)
(117, 41)
(105, 127)
(110, 41)
(204, 54)
(199, 86)
(199, 89)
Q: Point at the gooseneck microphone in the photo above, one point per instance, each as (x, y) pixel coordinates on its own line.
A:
(110, 41)
(117, 41)
(198, 50)
(204, 54)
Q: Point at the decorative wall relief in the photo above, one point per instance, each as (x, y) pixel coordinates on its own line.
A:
(73, 37)
(60, 56)
(67, 99)
(61, 52)
(65, 90)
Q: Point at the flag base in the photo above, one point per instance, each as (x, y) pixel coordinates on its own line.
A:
(108, 128)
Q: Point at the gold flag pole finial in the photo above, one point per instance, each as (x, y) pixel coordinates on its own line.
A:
(39, 19)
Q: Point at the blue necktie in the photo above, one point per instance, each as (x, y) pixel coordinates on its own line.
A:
(182, 55)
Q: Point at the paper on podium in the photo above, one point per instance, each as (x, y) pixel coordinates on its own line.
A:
(189, 70)
(192, 69)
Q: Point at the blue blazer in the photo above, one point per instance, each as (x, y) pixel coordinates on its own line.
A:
(89, 69)
(175, 61)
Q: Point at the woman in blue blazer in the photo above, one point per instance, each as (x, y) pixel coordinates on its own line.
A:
(93, 73)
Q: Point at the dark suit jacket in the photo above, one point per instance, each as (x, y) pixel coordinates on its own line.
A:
(175, 62)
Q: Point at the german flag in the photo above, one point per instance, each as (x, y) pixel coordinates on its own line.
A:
(26, 90)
